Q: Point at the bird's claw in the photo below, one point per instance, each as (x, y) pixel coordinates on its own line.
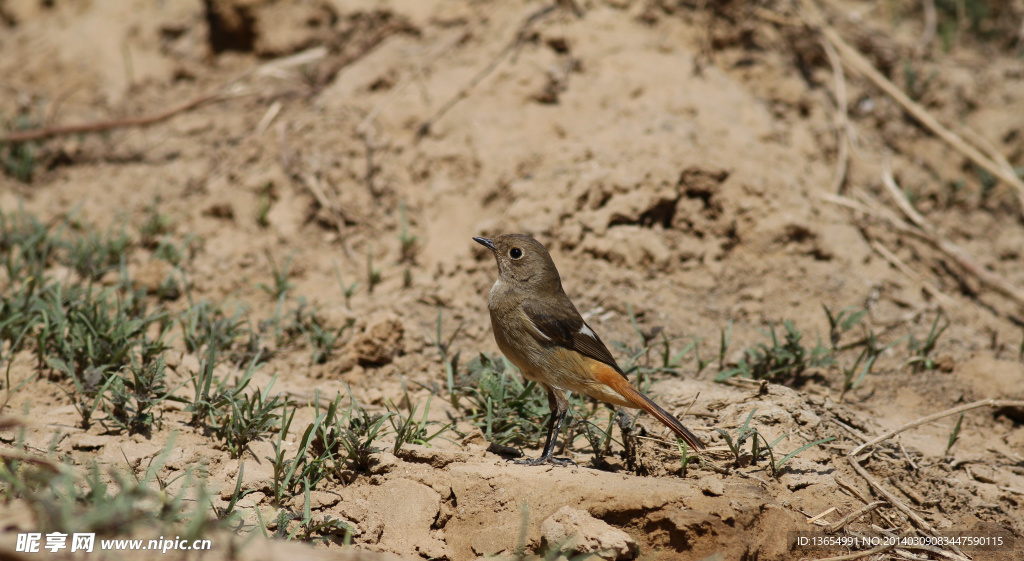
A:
(546, 460)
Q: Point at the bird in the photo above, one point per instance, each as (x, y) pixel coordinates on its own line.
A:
(539, 330)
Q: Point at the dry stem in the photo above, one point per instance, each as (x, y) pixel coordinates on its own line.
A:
(856, 62)
(936, 416)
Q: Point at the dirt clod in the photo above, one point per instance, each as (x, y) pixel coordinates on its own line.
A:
(573, 531)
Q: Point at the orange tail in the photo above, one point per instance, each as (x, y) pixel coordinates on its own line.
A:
(622, 386)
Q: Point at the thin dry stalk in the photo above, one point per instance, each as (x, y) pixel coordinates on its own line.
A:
(229, 89)
(853, 490)
(856, 62)
(311, 179)
(934, 551)
(936, 416)
(817, 519)
(900, 198)
(953, 251)
(906, 456)
(944, 301)
(101, 126)
(859, 554)
(930, 24)
(513, 45)
(846, 136)
(835, 527)
(913, 495)
(268, 118)
(919, 522)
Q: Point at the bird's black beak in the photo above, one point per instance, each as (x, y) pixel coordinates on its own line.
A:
(489, 244)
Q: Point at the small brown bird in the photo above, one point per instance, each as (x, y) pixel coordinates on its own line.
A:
(540, 331)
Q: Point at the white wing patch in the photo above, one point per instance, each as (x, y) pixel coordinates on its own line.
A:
(537, 329)
(588, 332)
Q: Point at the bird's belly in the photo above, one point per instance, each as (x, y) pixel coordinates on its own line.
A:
(560, 368)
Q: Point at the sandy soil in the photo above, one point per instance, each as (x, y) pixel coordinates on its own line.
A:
(677, 161)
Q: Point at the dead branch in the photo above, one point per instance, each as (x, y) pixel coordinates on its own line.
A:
(987, 277)
(101, 126)
(856, 62)
(936, 416)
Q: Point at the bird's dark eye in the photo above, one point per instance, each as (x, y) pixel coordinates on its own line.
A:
(515, 253)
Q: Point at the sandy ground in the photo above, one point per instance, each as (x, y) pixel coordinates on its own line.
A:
(679, 162)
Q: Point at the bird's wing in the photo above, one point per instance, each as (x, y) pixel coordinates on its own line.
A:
(570, 331)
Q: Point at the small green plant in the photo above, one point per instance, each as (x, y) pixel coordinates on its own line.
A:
(88, 336)
(776, 465)
(250, 418)
(204, 324)
(281, 284)
(93, 254)
(666, 361)
(215, 398)
(854, 374)
(724, 340)
(284, 469)
(363, 428)
(325, 528)
(155, 226)
(408, 430)
(27, 245)
(373, 275)
(336, 438)
(685, 457)
(922, 350)
(306, 322)
(954, 435)
(451, 362)
(736, 441)
(506, 410)
(264, 203)
(176, 253)
(781, 361)
(347, 289)
(760, 448)
(18, 159)
(228, 514)
(493, 397)
(599, 440)
(843, 322)
(410, 243)
(137, 393)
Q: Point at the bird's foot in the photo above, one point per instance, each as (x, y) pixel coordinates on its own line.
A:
(546, 460)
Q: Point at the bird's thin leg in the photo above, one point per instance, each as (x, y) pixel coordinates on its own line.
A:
(559, 407)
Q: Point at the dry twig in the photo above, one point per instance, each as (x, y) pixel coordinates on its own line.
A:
(229, 89)
(101, 126)
(987, 277)
(944, 301)
(859, 554)
(513, 45)
(846, 136)
(936, 416)
(918, 521)
(856, 62)
(835, 527)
